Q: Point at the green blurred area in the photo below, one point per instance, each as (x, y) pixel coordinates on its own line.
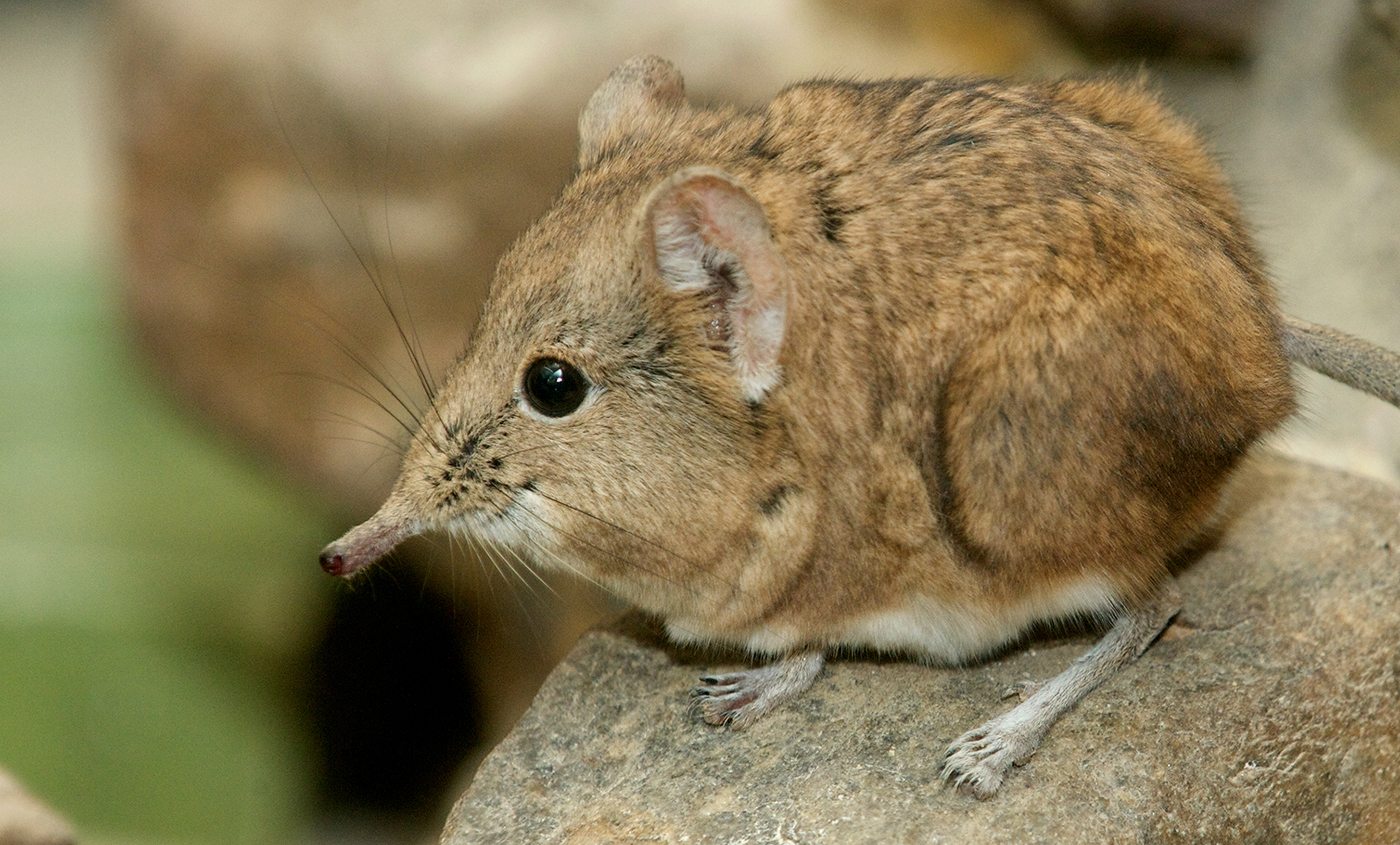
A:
(156, 590)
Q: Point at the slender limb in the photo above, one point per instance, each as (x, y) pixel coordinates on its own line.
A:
(738, 699)
(978, 761)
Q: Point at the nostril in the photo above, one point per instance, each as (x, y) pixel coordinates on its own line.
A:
(332, 563)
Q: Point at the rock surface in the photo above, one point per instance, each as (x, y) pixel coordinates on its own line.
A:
(25, 821)
(1269, 712)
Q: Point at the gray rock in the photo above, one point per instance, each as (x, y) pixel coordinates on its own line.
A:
(25, 821)
(1269, 712)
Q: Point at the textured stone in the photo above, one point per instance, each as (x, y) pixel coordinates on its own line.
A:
(25, 821)
(1269, 712)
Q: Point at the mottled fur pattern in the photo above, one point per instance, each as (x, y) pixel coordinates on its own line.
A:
(908, 364)
(1026, 339)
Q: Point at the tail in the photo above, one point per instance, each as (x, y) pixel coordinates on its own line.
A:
(1350, 360)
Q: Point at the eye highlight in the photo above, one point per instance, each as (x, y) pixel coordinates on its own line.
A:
(555, 388)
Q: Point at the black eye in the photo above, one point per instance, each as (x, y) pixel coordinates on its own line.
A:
(555, 388)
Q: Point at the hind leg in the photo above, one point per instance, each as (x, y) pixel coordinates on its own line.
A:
(978, 761)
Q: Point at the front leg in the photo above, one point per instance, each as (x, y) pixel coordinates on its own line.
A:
(738, 699)
(978, 761)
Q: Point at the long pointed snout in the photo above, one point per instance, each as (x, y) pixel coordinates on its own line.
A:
(368, 542)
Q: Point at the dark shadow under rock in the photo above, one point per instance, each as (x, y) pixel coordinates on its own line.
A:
(1270, 712)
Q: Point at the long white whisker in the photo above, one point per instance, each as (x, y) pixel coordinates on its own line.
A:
(695, 567)
(526, 565)
(496, 551)
(558, 560)
(514, 563)
(509, 514)
(577, 539)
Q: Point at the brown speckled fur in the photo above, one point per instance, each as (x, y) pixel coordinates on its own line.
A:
(1025, 340)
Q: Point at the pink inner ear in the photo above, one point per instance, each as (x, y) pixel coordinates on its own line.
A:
(702, 220)
(729, 218)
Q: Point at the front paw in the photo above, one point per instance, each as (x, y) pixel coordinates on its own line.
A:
(739, 698)
(731, 700)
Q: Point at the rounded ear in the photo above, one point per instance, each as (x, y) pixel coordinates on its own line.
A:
(710, 236)
(636, 90)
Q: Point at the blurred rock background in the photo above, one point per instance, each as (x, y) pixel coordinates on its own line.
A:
(227, 230)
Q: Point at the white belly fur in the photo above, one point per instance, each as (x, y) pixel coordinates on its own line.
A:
(928, 628)
(924, 627)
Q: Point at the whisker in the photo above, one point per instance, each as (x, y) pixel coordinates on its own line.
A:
(535, 448)
(513, 567)
(482, 577)
(481, 551)
(495, 554)
(413, 349)
(529, 568)
(487, 551)
(507, 513)
(552, 556)
(420, 360)
(581, 541)
(365, 264)
(385, 440)
(376, 370)
(453, 547)
(658, 546)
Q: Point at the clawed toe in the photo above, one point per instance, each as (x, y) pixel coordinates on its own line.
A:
(975, 767)
(723, 703)
(978, 762)
(737, 699)
(1022, 690)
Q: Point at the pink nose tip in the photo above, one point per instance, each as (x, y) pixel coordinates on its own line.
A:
(333, 563)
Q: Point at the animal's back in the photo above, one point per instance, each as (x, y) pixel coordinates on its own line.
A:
(1026, 334)
(907, 365)
(1045, 298)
